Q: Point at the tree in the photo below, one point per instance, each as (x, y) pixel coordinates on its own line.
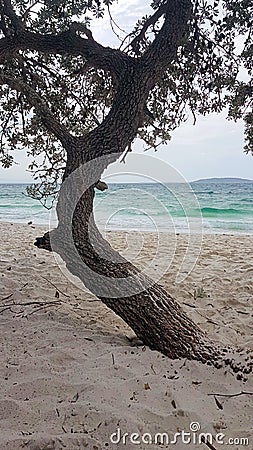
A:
(78, 105)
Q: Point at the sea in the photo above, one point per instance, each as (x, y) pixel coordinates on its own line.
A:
(197, 207)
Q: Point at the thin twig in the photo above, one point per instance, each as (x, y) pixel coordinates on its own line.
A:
(6, 298)
(207, 443)
(43, 307)
(10, 295)
(232, 395)
(55, 287)
(25, 15)
(112, 23)
(30, 303)
(219, 324)
(5, 309)
(128, 150)
(151, 20)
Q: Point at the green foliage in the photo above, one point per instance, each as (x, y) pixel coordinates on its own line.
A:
(49, 16)
(212, 70)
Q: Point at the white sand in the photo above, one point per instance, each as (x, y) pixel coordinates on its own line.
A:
(69, 377)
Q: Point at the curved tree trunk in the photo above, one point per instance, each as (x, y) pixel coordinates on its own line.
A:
(143, 304)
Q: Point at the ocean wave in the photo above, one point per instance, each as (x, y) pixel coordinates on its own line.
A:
(208, 211)
(204, 192)
(246, 200)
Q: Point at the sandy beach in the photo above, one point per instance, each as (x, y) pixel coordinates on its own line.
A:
(71, 378)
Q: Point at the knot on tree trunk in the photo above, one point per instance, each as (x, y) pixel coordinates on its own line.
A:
(101, 185)
(44, 242)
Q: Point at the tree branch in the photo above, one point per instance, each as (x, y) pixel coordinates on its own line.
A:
(150, 21)
(142, 74)
(26, 13)
(70, 43)
(127, 112)
(156, 58)
(8, 11)
(46, 116)
(3, 24)
(163, 49)
(78, 26)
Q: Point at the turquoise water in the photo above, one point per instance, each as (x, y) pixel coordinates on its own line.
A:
(207, 207)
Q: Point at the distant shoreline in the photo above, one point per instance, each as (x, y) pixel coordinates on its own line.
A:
(201, 180)
(223, 180)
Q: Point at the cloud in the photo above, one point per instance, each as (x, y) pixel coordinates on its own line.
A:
(125, 15)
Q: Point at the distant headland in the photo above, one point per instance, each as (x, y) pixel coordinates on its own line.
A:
(223, 180)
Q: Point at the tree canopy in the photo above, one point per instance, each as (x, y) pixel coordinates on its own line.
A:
(56, 78)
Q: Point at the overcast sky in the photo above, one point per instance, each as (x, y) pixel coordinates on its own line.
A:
(211, 148)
